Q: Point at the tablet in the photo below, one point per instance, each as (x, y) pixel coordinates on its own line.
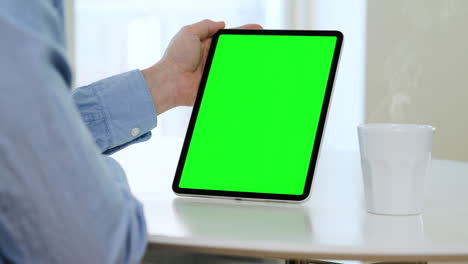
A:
(259, 115)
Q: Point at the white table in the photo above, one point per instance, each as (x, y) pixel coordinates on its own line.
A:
(333, 224)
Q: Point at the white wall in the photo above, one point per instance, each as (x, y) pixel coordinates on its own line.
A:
(417, 69)
(347, 108)
(349, 17)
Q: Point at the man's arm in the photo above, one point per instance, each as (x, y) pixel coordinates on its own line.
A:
(61, 201)
(121, 110)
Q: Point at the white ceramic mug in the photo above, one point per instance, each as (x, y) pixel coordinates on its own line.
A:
(395, 160)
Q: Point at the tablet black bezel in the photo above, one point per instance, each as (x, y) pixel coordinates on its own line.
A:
(320, 128)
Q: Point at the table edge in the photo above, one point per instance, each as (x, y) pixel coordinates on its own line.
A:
(322, 252)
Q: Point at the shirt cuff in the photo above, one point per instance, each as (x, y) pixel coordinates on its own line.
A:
(121, 113)
(128, 106)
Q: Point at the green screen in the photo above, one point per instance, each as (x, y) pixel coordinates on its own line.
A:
(259, 114)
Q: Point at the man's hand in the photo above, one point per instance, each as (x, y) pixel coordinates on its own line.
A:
(174, 80)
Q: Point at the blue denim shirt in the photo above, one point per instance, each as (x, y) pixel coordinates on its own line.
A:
(62, 199)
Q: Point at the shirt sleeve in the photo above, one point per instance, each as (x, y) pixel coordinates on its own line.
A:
(61, 200)
(118, 111)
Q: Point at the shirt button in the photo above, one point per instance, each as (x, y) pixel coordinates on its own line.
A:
(135, 131)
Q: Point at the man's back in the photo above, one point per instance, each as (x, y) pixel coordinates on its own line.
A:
(61, 201)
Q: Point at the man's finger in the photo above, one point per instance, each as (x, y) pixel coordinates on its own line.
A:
(205, 28)
(249, 26)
